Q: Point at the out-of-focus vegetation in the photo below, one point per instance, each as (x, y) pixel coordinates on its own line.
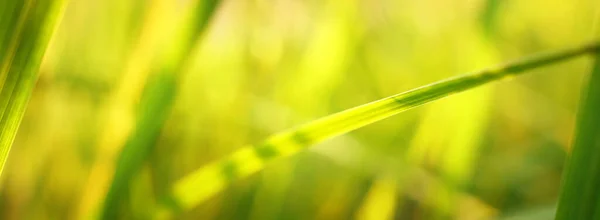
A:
(135, 95)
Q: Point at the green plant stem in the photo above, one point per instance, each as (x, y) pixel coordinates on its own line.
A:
(580, 190)
(213, 178)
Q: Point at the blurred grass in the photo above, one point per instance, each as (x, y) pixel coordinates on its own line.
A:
(260, 67)
(155, 105)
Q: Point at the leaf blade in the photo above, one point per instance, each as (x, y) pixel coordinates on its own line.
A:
(156, 102)
(580, 194)
(211, 179)
(23, 47)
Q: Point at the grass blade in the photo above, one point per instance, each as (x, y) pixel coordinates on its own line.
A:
(580, 190)
(25, 30)
(489, 15)
(213, 178)
(155, 104)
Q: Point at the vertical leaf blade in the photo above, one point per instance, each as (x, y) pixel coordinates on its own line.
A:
(580, 191)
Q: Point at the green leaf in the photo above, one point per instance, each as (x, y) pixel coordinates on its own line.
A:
(489, 16)
(156, 101)
(580, 190)
(213, 178)
(155, 106)
(25, 30)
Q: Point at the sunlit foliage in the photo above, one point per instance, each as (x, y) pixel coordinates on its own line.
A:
(208, 109)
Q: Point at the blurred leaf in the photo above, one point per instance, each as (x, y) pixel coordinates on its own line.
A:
(157, 98)
(381, 200)
(539, 213)
(155, 106)
(213, 178)
(488, 17)
(25, 30)
(580, 191)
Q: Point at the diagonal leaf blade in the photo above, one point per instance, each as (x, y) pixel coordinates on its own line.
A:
(156, 102)
(213, 178)
(26, 28)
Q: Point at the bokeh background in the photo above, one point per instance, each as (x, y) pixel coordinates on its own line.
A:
(262, 66)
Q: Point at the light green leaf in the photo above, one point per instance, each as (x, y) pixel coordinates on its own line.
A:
(213, 178)
(26, 27)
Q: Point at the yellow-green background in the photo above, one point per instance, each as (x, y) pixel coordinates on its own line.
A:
(263, 66)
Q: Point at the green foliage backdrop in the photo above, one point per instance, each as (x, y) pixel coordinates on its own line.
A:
(134, 96)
